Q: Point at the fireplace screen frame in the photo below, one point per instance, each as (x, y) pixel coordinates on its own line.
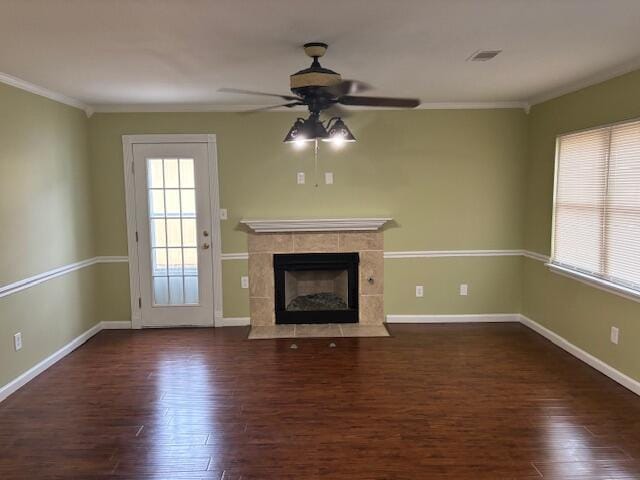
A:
(309, 262)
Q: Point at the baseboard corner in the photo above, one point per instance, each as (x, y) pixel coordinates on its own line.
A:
(116, 325)
(24, 378)
(233, 322)
(594, 362)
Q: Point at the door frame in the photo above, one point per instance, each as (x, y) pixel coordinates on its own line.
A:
(128, 141)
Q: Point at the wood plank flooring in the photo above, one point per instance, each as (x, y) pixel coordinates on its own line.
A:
(477, 401)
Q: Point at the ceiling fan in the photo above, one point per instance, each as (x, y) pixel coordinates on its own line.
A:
(321, 89)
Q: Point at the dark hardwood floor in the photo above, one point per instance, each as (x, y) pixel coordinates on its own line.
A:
(490, 401)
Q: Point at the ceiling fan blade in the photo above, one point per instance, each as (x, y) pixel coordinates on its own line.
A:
(250, 92)
(347, 87)
(336, 110)
(390, 102)
(271, 107)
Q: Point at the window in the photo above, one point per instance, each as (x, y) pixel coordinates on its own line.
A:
(596, 230)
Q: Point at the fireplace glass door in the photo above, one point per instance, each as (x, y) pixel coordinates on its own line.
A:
(316, 288)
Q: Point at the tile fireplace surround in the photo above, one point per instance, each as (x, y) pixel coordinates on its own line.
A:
(268, 237)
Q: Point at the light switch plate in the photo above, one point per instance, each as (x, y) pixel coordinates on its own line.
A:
(615, 335)
(244, 282)
(223, 214)
(328, 178)
(17, 341)
(464, 289)
(300, 178)
(419, 291)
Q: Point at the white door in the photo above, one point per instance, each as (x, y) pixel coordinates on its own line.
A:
(173, 225)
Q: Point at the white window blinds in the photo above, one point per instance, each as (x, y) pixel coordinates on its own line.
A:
(597, 204)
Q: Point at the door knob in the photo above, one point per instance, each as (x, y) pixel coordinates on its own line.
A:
(205, 246)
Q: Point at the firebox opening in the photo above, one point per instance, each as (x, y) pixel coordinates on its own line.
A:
(316, 290)
(316, 287)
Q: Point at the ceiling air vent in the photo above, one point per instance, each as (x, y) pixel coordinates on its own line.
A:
(483, 55)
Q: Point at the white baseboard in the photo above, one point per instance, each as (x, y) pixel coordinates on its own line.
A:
(465, 318)
(580, 354)
(120, 325)
(233, 322)
(40, 367)
(577, 352)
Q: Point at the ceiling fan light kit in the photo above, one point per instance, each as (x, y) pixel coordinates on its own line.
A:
(321, 89)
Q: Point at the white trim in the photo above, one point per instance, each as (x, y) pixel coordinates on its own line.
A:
(203, 107)
(39, 278)
(623, 69)
(44, 92)
(463, 318)
(596, 282)
(41, 366)
(580, 354)
(535, 256)
(128, 141)
(233, 322)
(314, 224)
(113, 259)
(235, 256)
(169, 138)
(116, 325)
(453, 253)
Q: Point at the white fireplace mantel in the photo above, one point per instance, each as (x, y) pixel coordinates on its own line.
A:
(315, 224)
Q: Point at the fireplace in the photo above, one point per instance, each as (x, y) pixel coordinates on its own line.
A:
(316, 287)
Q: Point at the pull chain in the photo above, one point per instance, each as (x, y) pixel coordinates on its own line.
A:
(315, 158)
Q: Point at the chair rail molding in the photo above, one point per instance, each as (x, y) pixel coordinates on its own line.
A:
(39, 278)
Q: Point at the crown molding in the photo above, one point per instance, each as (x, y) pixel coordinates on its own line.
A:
(44, 92)
(600, 77)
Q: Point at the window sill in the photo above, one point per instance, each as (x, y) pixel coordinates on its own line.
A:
(596, 282)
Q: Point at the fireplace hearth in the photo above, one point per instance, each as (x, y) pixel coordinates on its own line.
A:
(316, 288)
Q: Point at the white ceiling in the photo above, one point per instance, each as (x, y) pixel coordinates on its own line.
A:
(114, 52)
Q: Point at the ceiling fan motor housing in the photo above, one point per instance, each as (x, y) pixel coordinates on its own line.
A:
(303, 82)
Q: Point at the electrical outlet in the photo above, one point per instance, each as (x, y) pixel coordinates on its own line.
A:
(419, 291)
(328, 178)
(300, 178)
(244, 282)
(615, 335)
(464, 289)
(17, 341)
(223, 214)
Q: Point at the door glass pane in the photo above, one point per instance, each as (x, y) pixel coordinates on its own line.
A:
(159, 265)
(160, 290)
(188, 202)
(155, 173)
(172, 221)
(189, 235)
(156, 203)
(175, 262)
(174, 232)
(176, 292)
(186, 173)
(172, 198)
(190, 256)
(158, 232)
(171, 176)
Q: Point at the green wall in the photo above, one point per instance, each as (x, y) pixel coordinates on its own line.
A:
(582, 314)
(45, 222)
(451, 179)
